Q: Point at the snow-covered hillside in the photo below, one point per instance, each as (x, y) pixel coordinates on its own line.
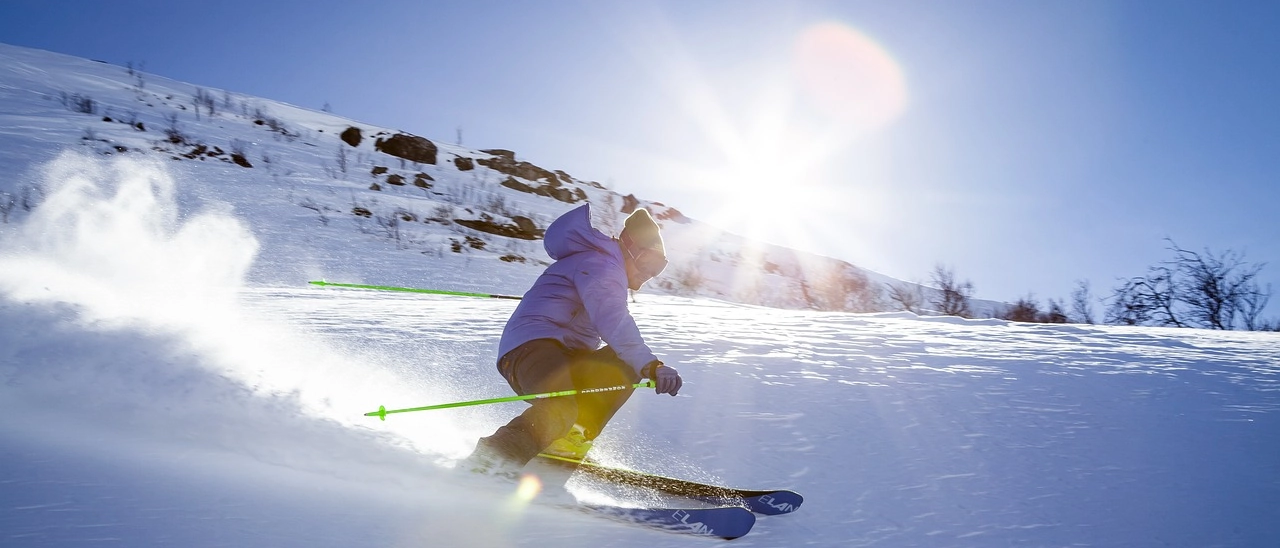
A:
(332, 196)
(168, 379)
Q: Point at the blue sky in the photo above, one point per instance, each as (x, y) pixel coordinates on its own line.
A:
(1025, 144)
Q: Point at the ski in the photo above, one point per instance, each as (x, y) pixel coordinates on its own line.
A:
(726, 522)
(768, 502)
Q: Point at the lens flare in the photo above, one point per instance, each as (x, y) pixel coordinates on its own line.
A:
(849, 76)
(528, 488)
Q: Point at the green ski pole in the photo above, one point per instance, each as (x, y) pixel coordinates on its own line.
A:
(323, 283)
(382, 411)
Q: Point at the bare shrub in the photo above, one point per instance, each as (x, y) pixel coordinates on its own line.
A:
(952, 297)
(1025, 310)
(204, 99)
(83, 104)
(1207, 290)
(1082, 303)
(689, 278)
(908, 296)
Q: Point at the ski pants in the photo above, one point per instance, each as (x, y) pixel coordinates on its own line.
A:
(545, 365)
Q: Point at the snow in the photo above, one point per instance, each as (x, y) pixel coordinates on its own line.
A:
(168, 378)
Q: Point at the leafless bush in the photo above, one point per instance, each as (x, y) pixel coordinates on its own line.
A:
(1218, 288)
(1055, 314)
(1082, 303)
(689, 277)
(341, 159)
(442, 213)
(841, 287)
(1212, 291)
(79, 103)
(1144, 300)
(139, 82)
(204, 99)
(910, 297)
(316, 207)
(1027, 309)
(952, 297)
(391, 228)
(173, 130)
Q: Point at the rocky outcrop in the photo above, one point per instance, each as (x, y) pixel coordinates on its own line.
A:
(508, 165)
(672, 214)
(351, 136)
(630, 203)
(421, 180)
(409, 147)
(521, 227)
(550, 190)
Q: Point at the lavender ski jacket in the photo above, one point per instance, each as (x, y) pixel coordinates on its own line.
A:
(581, 298)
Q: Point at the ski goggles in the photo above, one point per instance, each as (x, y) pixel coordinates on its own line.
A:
(649, 262)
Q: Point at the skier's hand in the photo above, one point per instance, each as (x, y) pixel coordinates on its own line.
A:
(666, 377)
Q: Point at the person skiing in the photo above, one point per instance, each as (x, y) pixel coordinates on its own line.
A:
(552, 341)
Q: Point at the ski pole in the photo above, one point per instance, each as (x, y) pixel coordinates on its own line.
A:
(323, 283)
(382, 411)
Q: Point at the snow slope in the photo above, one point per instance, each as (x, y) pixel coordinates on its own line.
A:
(166, 379)
(306, 185)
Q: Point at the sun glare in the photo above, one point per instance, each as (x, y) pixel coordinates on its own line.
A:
(774, 178)
(766, 136)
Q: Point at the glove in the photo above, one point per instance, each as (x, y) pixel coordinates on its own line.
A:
(666, 377)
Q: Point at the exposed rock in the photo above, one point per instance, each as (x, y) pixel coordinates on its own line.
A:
(351, 136)
(523, 229)
(563, 194)
(523, 170)
(672, 214)
(409, 147)
(395, 179)
(525, 224)
(463, 163)
(500, 152)
(513, 184)
(378, 170)
(629, 203)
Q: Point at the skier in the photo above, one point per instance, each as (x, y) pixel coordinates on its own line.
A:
(552, 341)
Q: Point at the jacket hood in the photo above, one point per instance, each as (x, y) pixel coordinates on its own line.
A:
(573, 233)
